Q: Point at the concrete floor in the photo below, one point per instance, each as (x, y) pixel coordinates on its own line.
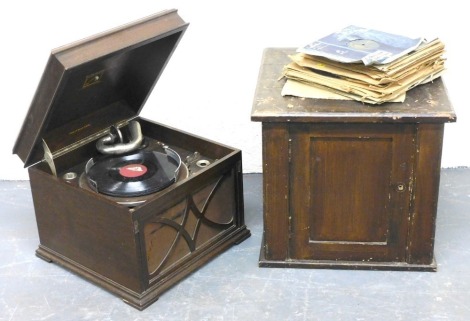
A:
(232, 287)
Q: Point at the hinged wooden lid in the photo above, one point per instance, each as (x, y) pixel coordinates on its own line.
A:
(92, 84)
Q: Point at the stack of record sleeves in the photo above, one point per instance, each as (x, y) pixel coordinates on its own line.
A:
(364, 65)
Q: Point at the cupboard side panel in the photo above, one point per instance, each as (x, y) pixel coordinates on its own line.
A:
(276, 190)
(426, 192)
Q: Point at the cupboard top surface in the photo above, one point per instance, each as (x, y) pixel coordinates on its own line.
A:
(424, 103)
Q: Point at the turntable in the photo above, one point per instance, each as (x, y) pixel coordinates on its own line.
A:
(127, 203)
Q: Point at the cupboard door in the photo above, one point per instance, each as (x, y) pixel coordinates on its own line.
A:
(350, 191)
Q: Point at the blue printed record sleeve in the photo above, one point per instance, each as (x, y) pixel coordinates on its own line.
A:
(355, 44)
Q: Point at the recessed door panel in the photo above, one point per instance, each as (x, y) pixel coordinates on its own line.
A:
(350, 192)
(349, 189)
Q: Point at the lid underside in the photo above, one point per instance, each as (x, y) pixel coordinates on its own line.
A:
(100, 81)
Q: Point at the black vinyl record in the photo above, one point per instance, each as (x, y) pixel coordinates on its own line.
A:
(132, 175)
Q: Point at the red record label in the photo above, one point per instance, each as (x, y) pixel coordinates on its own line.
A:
(133, 170)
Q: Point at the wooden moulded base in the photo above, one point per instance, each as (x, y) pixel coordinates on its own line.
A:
(344, 265)
(143, 300)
